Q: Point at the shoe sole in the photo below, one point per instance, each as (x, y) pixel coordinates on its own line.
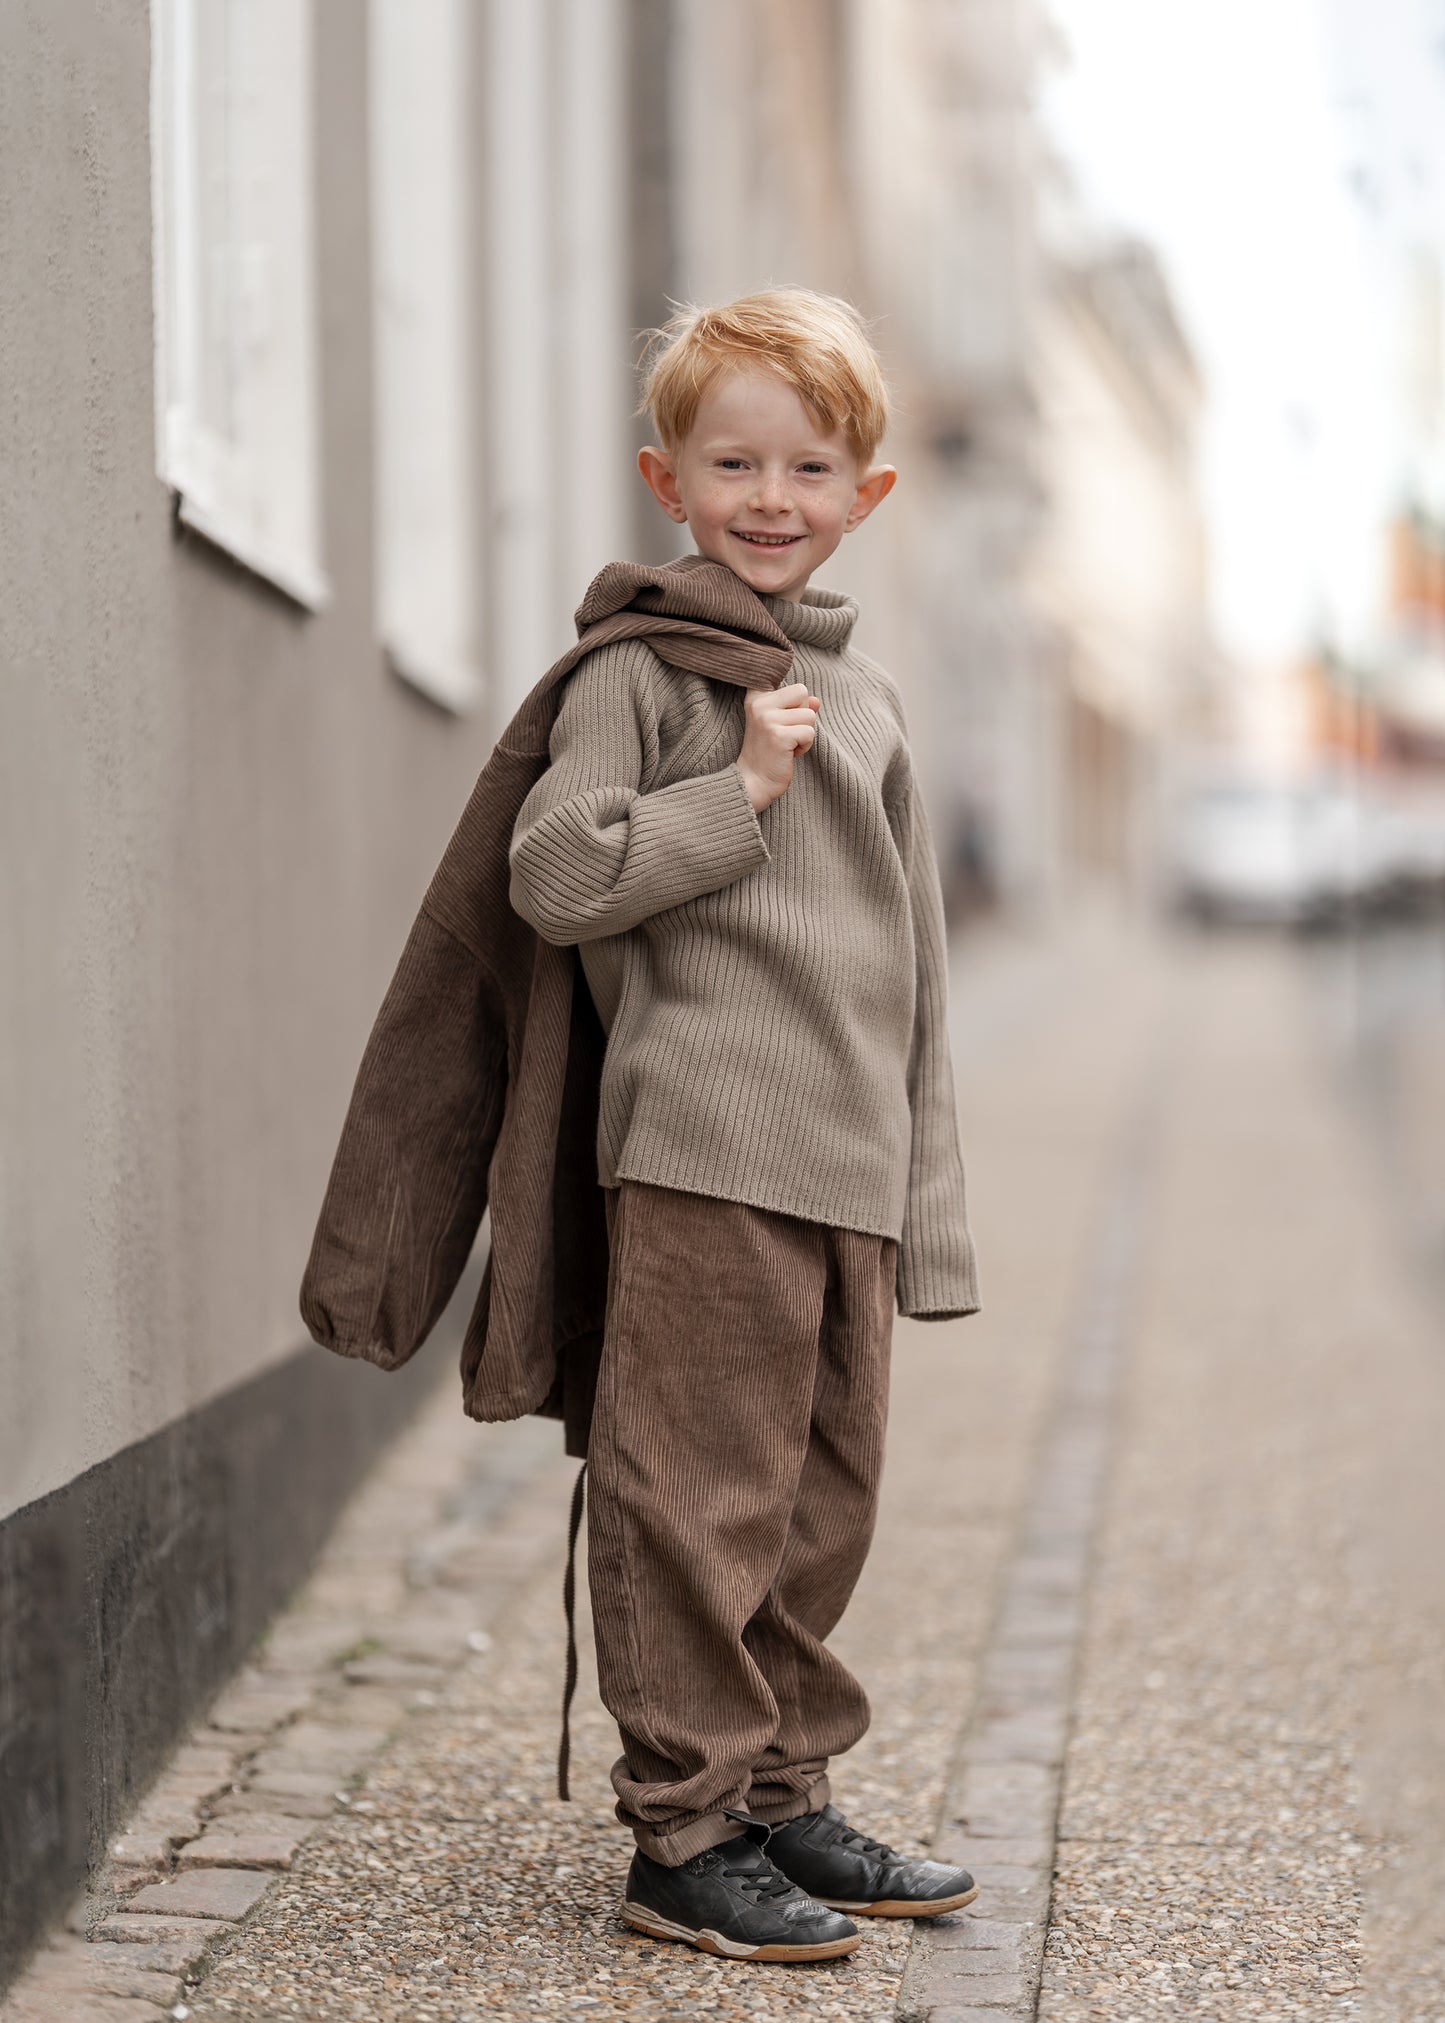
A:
(901, 1907)
(654, 1926)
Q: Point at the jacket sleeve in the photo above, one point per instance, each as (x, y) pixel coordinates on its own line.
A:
(408, 1183)
(591, 854)
(937, 1270)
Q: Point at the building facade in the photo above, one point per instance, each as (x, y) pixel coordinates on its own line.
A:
(1118, 569)
(315, 341)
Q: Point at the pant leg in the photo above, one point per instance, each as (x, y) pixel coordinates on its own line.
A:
(702, 1429)
(822, 1709)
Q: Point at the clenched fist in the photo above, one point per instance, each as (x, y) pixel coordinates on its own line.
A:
(780, 723)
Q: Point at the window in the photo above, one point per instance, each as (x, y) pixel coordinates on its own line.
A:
(236, 399)
(426, 353)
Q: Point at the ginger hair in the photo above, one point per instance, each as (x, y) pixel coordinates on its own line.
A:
(818, 344)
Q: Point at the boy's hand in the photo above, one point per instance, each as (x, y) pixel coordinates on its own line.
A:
(781, 722)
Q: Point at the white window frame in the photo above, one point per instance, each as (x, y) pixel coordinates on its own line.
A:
(426, 352)
(232, 147)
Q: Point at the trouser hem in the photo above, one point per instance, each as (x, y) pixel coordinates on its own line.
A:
(672, 1849)
(778, 1811)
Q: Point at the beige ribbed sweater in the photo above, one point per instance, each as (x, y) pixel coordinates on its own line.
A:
(772, 987)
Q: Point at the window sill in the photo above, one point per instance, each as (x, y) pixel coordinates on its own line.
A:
(299, 580)
(452, 685)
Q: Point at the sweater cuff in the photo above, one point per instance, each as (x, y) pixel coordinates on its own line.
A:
(937, 1278)
(703, 829)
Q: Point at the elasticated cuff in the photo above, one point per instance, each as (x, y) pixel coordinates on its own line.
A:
(673, 1849)
(778, 1811)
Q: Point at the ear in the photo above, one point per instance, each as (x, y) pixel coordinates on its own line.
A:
(873, 488)
(659, 474)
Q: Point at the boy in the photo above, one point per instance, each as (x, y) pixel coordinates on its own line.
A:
(747, 876)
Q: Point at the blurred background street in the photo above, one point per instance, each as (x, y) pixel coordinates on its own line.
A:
(317, 335)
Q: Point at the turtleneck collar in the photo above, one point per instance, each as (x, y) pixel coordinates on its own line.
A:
(822, 618)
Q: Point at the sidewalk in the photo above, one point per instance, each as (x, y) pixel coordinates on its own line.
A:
(1138, 1579)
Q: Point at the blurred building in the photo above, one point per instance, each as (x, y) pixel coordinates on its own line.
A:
(884, 150)
(1118, 568)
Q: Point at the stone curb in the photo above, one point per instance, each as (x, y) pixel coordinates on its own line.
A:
(446, 1529)
(1000, 1811)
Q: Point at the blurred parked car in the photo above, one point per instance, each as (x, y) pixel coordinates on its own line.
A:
(1255, 850)
(1305, 853)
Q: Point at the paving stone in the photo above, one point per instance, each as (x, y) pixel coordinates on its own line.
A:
(254, 1706)
(947, 1977)
(161, 1940)
(984, 1936)
(985, 1856)
(161, 1956)
(321, 1744)
(78, 2007)
(210, 1893)
(289, 1783)
(1026, 1905)
(992, 1877)
(386, 1669)
(309, 1643)
(197, 1761)
(429, 1640)
(183, 1796)
(123, 1879)
(972, 1963)
(1010, 1741)
(363, 1706)
(239, 1805)
(103, 1970)
(239, 1742)
(141, 1850)
(168, 1822)
(251, 1847)
(948, 2012)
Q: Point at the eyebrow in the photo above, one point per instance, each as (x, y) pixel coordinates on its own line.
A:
(730, 446)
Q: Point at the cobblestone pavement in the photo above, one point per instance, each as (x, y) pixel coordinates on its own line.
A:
(1142, 1581)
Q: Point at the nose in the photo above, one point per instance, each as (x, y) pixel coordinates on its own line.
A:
(770, 493)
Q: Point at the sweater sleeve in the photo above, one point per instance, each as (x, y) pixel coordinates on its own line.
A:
(593, 855)
(937, 1270)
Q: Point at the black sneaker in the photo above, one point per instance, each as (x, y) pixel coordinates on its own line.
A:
(730, 1900)
(837, 1865)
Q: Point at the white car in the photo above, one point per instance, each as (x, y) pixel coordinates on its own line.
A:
(1268, 851)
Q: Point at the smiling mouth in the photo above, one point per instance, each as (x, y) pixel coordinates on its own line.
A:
(765, 540)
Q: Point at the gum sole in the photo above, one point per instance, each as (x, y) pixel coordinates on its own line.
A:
(654, 1927)
(899, 1907)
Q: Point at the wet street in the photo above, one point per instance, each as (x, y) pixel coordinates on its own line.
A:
(1152, 1626)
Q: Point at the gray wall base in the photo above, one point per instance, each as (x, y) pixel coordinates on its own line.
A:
(128, 1597)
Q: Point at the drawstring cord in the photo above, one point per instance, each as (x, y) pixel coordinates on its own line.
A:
(569, 1605)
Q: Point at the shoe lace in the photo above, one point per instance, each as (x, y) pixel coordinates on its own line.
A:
(760, 1880)
(862, 1843)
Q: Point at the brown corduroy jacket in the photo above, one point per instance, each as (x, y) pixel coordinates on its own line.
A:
(479, 1083)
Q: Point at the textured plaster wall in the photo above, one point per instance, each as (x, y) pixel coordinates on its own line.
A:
(217, 814)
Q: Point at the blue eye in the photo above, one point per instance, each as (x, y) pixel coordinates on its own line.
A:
(730, 463)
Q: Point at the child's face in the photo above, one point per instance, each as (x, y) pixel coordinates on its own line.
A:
(761, 486)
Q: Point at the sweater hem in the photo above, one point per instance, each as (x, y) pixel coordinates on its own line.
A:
(752, 1198)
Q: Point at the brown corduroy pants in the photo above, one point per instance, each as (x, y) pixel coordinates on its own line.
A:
(733, 1475)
